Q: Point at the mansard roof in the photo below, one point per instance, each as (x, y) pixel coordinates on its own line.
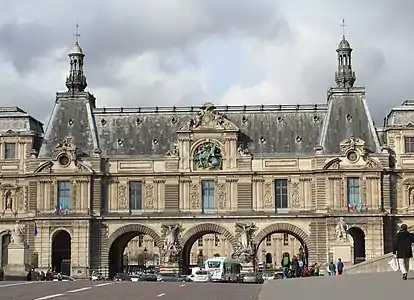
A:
(16, 120)
(401, 116)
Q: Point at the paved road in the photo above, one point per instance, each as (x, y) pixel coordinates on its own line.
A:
(365, 286)
(378, 286)
(80, 290)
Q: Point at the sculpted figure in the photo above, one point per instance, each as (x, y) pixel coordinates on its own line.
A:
(171, 236)
(16, 234)
(246, 234)
(9, 200)
(341, 230)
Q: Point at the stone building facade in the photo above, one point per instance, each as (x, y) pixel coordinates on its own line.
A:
(98, 177)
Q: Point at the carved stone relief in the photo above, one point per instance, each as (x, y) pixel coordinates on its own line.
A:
(295, 195)
(14, 197)
(74, 190)
(149, 196)
(194, 196)
(208, 156)
(174, 152)
(267, 195)
(122, 196)
(222, 193)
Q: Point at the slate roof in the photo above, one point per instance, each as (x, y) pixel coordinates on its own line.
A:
(401, 116)
(17, 120)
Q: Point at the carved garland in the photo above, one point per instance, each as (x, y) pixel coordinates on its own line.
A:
(295, 195)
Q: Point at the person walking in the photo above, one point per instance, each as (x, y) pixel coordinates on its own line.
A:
(332, 269)
(403, 249)
(340, 266)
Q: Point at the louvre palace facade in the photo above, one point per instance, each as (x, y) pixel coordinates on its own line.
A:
(96, 177)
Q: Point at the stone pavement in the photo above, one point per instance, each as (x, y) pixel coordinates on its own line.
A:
(79, 290)
(378, 286)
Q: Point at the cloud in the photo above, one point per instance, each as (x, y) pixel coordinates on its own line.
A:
(185, 52)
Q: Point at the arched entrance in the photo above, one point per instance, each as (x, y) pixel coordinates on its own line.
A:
(358, 236)
(5, 241)
(61, 251)
(118, 260)
(197, 232)
(270, 250)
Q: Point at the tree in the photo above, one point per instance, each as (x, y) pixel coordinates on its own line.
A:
(141, 258)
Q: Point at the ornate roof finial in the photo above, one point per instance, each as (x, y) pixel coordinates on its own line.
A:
(343, 25)
(76, 34)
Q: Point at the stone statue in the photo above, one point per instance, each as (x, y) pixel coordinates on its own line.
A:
(172, 247)
(9, 200)
(16, 234)
(242, 150)
(208, 156)
(245, 251)
(171, 236)
(341, 230)
(411, 197)
(174, 151)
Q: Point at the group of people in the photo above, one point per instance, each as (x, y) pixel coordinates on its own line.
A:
(337, 269)
(297, 267)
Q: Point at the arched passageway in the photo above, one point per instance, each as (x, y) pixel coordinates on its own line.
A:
(61, 252)
(220, 241)
(278, 238)
(358, 236)
(120, 257)
(5, 241)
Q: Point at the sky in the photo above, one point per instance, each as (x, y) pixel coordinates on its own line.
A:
(188, 52)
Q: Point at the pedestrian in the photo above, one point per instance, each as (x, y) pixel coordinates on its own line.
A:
(286, 264)
(403, 249)
(332, 269)
(340, 266)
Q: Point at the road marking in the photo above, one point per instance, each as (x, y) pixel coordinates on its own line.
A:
(80, 290)
(182, 285)
(49, 297)
(160, 295)
(103, 284)
(14, 284)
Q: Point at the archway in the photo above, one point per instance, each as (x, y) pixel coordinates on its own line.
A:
(119, 260)
(5, 241)
(292, 240)
(61, 252)
(358, 236)
(196, 233)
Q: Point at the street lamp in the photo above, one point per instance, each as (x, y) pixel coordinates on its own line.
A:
(145, 257)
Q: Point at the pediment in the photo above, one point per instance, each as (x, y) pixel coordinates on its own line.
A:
(65, 158)
(208, 119)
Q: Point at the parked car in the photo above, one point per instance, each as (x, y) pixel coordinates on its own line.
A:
(96, 277)
(252, 278)
(62, 278)
(148, 277)
(122, 277)
(172, 278)
(200, 276)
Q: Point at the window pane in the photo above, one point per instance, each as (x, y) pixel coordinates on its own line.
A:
(281, 193)
(207, 194)
(63, 196)
(353, 194)
(135, 195)
(9, 150)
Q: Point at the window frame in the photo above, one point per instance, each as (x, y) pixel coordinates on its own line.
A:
(135, 195)
(208, 193)
(281, 193)
(353, 194)
(63, 196)
(14, 150)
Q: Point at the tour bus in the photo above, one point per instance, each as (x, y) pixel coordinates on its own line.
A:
(223, 269)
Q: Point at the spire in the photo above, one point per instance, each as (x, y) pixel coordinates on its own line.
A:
(344, 77)
(76, 81)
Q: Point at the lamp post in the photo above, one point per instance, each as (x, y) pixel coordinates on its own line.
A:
(145, 258)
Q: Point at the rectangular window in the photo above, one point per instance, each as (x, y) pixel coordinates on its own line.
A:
(200, 242)
(269, 240)
(63, 197)
(353, 194)
(285, 239)
(140, 241)
(409, 144)
(10, 150)
(135, 195)
(217, 240)
(281, 193)
(207, 195)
